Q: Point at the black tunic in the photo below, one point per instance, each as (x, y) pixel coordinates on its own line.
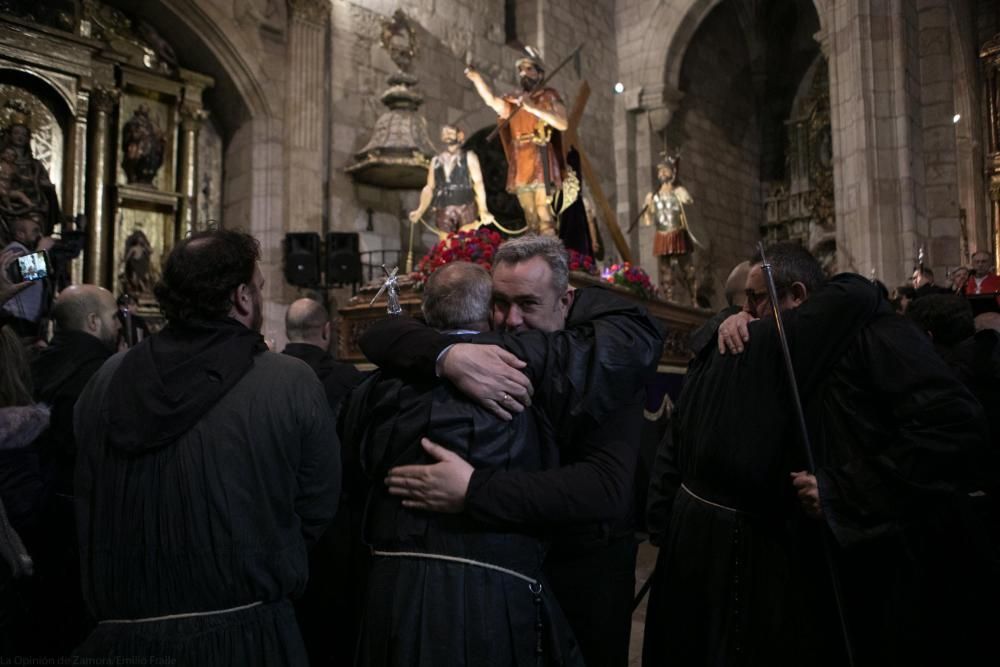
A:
(427, 612)
(60, 372)
(589, 384)
(217, 517)
(329, 611)
(723, 591)
(749, 587)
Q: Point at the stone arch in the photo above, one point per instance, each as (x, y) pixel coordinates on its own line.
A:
(669, 34)
(56, 93)
(213, 39)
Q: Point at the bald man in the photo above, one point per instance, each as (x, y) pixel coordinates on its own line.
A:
(329, 610)
(310, 334)
(86, 335)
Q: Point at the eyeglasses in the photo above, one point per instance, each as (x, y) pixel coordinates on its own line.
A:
(755, 297)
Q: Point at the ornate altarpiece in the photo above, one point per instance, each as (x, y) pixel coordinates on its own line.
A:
(116, 122)
(801, 207)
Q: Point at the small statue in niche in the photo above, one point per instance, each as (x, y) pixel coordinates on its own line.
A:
(138, 273)
(29, 193)
(143, 146)
(12, 198)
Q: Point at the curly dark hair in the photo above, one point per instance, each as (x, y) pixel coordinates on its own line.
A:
(791, 263)
(201, 273)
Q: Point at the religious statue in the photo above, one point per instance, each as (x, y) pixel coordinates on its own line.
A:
(138, 275)
(454, 187)
(143, 146)
(531, 141)
(12, 198)
(27, 192)
(390, 287)
(673, 241)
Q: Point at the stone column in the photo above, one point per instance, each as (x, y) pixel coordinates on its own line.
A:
(304, 114)
(97, 262)
(877, 144)
(187, 175)
(990, 55)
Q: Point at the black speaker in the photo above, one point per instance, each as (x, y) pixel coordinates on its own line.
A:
(343, 261)
(302, 259)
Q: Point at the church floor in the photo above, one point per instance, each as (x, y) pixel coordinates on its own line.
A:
(643, 569)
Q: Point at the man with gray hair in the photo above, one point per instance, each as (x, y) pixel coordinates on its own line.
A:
(447, 589)
(587, 355)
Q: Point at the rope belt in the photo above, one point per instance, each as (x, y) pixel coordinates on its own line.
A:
(171, 617)
(464, 561)
(534, 587)
(709, 502)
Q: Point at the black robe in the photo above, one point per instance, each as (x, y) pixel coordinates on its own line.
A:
(429, 612)
(741, 579)
(206, 467)
(589, 384)
(898, 441)
(60, 372)
(721, 593)
(329, 611)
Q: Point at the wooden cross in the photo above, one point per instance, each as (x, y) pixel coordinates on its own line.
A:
(571, 139)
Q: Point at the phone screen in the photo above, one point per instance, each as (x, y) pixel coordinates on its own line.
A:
(33, 267)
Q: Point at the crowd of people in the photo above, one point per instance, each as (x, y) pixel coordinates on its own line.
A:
(198, 499)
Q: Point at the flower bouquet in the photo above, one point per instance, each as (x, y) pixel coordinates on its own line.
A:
(477, 246)
(582, 263)
(631, 278)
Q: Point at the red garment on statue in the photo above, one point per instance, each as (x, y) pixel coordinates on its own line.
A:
(671, 243)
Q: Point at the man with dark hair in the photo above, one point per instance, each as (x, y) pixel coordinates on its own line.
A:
(894, 435)
(206, 467)
(923, 283)
(588, 355)
(443, 589)
(722, 589)
(946, 318)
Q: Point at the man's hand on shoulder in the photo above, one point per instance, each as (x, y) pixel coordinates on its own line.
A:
(807, 489)
(733, 332)
(490, 375)
(438, 487)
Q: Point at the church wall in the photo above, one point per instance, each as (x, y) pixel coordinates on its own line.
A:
(939, 105)
(716, 127)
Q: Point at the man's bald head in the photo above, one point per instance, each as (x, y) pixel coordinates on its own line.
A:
(306, 322)
(88, 309)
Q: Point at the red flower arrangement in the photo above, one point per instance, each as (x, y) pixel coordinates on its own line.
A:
(631, 278)
(477, 246)
(583, 263)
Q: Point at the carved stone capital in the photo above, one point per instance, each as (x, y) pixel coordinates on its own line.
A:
(105, 99)
(192, 116)
(660, 101)
(312, 11)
